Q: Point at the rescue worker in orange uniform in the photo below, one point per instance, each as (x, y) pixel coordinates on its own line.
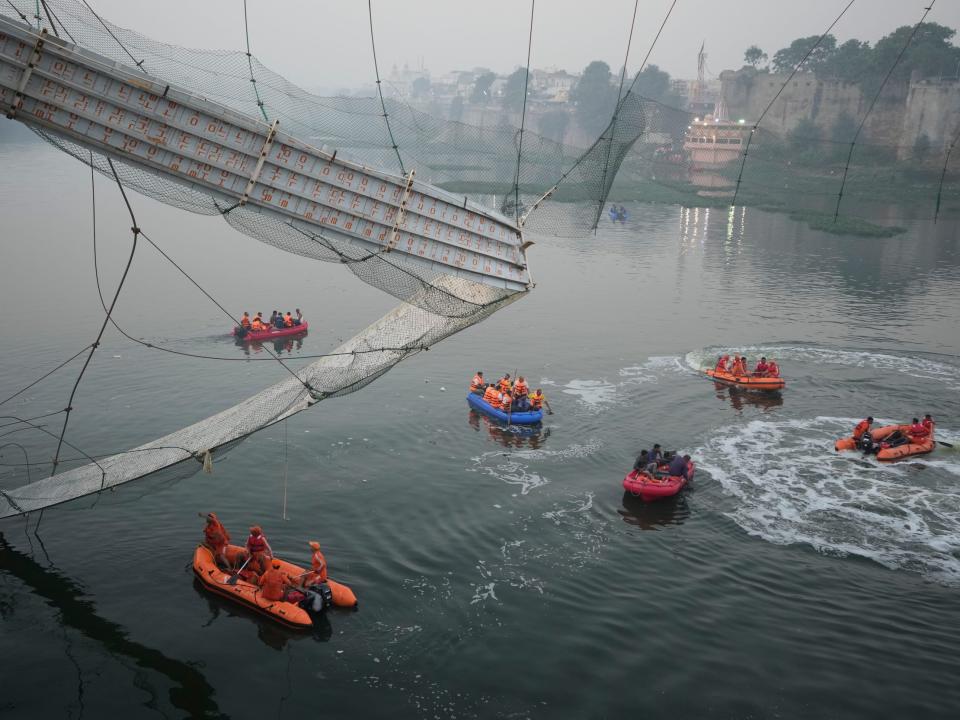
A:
(319, 564)
(257, 323)
(862, 427)
(721, 365)
(245, 321)
(216, 537)
(274, 582)
(506, 401)
(773, 370)
(739, 366)
(928, 423)
(505, 383)
(762, 367)
(288, 320)
(918, 432)
(259, 550)
(491, 397)
(520, 387)
(477, 384)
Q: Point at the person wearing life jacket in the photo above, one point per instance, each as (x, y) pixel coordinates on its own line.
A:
(918, 432)
(259, 550)
(274, 581)
(477, 384)
(506, 401)
(492, 396)
(216, 538)
(257, 323)
(538, 400)
(739, 366)
(245, 321)
(520, 387)
(862, 427)
(288, 320)
(721, 365)
(762, 367)
(773, 370)
(318, 564)
(505, 383)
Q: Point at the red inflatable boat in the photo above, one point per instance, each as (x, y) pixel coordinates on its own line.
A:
(262, 335)
(649, 488)
(880, 436)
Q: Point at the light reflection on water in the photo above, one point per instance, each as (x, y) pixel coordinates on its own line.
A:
(485, 558)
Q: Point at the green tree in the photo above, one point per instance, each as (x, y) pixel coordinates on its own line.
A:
(754, 56)
(850, 62)
(842, 132)
(653, 83)
(481, 88)
(804, 139)
(788, 58)
(420, 87)
(930, 52)
(514, 89)
(595, 97)
(554, 124)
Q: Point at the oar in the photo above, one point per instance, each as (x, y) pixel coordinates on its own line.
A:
(510, 409)
(232, 580)
(945, 444)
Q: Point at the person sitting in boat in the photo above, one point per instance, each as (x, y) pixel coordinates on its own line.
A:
(721, 365)
(537, 399)
(520, 387)
(739, 366)
(278, 320)
(257, 324)
(506, 401)
(477, 384)
(762, 367)
(918, 432)
(259, 550)
(505, 383)
(642, 463)
(773, 370)
(679, 466)
(298, 320)
(522, 402)
(656, 457)
(928, 423)
(862, 427)
(288, 320)
(492, 396)
(245, 321)
(274, 582)
(216, 538)
(318, 564)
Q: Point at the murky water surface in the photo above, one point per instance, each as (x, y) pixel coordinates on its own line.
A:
(501, 573)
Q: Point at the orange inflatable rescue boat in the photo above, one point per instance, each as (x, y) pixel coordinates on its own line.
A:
(748, 381)
(877, 443)
(292, 614)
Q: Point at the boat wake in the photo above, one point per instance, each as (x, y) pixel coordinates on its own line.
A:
(790, 487)
(916, 366)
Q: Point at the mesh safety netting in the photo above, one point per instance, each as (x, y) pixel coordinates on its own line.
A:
(478, 162)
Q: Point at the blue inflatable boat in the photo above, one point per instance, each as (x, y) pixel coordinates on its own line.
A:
(517, 418)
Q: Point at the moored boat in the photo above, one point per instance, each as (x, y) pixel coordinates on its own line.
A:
(262, 335)
(649, 488)
(291, 614)
(749, 381)
(531, 417)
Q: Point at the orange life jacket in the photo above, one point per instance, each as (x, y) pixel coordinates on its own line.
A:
(215, 534)
(504, 384)
(773, 370)
(536, 401)
(505, 401)
(918, 430)
(288, 320)
(722, 363)
(256, 543)
(860, 429)
(272, 582)
(928, 424)
(245, 321)
(520, 388)
(491, 397)
(477, 383)
(319, 564)
(257, 324)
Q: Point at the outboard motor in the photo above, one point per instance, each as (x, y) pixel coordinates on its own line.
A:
(866, 444)
(318, 598)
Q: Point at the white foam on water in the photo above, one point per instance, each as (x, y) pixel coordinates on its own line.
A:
(912, 365)
(792, 487)
(594, 393)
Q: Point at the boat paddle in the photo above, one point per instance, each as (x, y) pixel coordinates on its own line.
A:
(510, 409)
(945, 444)
(232, 580)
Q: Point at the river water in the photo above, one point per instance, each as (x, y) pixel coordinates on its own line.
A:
(500, 573)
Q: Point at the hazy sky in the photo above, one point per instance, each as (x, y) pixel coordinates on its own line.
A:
(327, 44)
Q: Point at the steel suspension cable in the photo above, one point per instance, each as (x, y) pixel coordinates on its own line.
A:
(383, 104)
(873, 102)
(796, 69)
(946, 161)
(523, 118)
(253, 80)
